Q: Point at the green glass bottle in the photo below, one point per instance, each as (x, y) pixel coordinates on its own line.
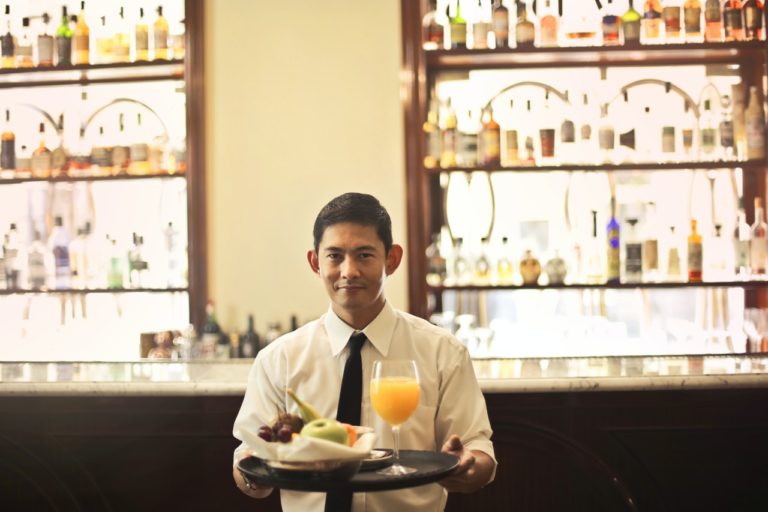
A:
(630, 25)
(458, 29)
(64, 40)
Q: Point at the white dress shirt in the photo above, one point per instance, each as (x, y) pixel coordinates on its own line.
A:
(311, 361)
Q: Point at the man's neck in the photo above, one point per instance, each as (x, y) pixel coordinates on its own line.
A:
(359, 320)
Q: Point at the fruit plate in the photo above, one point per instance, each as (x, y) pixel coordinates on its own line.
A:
(316, 470)
(430, 467)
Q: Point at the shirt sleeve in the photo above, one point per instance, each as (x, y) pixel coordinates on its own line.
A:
(461, 408)
(264, 396)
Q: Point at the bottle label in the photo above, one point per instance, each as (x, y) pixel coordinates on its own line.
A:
(651, 14)
(45, 50)
(650, 255)
(64, 51)
(753, 19)
(614, 264)
(41, 164)
(726, 134)
(433, 144)
(491, 143)
(468, 149)
(758, 250)
(708, 139)
(756, 135)
(449, 141)
(712, 12)
(36, 263)
(607, 138)
(631, 31)
(634, 258)
(138, 152)
(525, 34)
(742, 254)
(81, 43)
(61, 259)
(586, 132)
(119, 156)
(611, 27)
(687, 139)
(694, 257)
(7, 46)
(142, 41)
(458, 35)
(501, 27)
(58, 158)
(161, 39)
(733, 19)
(672, 19)
(547, 137)
(692, 20)
(8, 154)
(668, 139)
(567, 132)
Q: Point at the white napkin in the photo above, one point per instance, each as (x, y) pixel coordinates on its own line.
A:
(307, 449)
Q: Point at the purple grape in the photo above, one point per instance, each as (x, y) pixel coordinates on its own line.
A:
(285, 434)
(266, 433)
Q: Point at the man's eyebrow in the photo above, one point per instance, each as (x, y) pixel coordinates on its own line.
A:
(361, 248)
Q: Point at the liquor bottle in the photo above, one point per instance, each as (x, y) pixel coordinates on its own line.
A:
(651, 23)
(23, 163)
(481, 27)
(548, 25)
(668, 142)
(7, 43)
(24, 50)
(64, 40)
(13, 258)
(707, 132)
(115, 272)
(611, 25)
(103, 41)
(45, 44)
(81, 39)
(458, 27)
(568, 151)
(160, 36)
(490, 140)
(462, 271)
(595, 267)
(606, 136)
(726, 130)
(138, 150)
(174, 254)
(695, 255)
(753, 19)
(587, 141)
(120, 150)
(528, 135)
(717, 266)
(755, 126)
(141, 39)
(688, 129)
(633, 255)
(547, 132)
(137, 263)
(482, 265)
(249, 341)
(448, 137)
(76, 260)
(525, 31)
(41, 157)
(692, 18)
(741, 238)
(630, 25)
(650, 245)
(59, 156)
(713, 22)
(733, 20)
(505, 270)
(37, 272)
(674, 272)
(613, 259)
(121, 47)
(58, 245)
(431, 130)
(500, 21)
(739, 120)
(511, 143)
(468, 137)
(211, 333)
(758, 245)
(432, 31)
(671, 15)
(436, 264)
(8, 145)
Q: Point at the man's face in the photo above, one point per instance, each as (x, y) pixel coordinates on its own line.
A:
(354, 267)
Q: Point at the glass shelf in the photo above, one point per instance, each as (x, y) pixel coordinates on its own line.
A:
(645, 55)
(581, 286)
(70, 179)
(747, 165)
(92, 74)
(86, 291)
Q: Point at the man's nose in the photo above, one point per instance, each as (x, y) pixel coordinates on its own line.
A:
(349, 268)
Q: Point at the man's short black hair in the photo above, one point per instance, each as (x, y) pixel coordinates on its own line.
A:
(363, 209)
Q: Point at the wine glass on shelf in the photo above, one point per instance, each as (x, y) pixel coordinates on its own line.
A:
(395, 395)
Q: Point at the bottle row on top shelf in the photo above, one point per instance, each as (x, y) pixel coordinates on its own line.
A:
(480, 25)
(617, 254)
(117, 36)
(63, 262)
(556, 135)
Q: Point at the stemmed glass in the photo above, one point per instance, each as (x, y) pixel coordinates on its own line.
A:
(395, 395)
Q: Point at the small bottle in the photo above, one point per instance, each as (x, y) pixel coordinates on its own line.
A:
(708, 133)
(490, 140)
(651, 23)
(753, 20)
(611, 25)
(525, 31)
(739, 120)
(482, 265)
(81, 39)
(500, 22)
(461, 269)
(671, 14)
(59, 156)
(115, 272)
(692, 20)
(687, 130)
(211, 333)
(651, 245)
(548, 25)
(568, 151)
(695, 255)
(613, 239)
(120, 150)
(8, 146)
(121, 47)
(58, 245)
(726, 131)
(741, 239)
(758, 245)
(37, 272)
(141, 39)
(45, 44)
(713, 24)
(138, 151)
(469, 135)
(458, 29)
(104, 42)
(160, 36)
(13, 258)
(448, 137)
(24, 50)
(505, 270)
(587, 139)
(530, 268)
(137, 264)
(633, 255)
(547, 136)
(436, 264)
(631, 25)
(595, 268)
(174, 254)
(42, 157)
(76, 259)
(754, 118)
(64, 40)
(481, 27)
(674, 271)
(733, 20)
(249, 341)
(431, 131)
(718, 253)
(7, 43)
(606, 136)
(432, 31)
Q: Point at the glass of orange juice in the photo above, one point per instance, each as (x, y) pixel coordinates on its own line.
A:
(394, 396)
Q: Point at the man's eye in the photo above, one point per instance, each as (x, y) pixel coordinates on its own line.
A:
(334, 256)
(366, 255)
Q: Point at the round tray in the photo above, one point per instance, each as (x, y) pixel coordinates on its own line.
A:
(430, 467)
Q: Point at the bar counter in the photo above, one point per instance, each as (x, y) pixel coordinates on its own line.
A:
(612, 433)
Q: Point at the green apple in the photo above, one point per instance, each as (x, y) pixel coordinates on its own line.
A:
(330, 430)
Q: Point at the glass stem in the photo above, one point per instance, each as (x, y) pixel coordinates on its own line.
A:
(396, 439)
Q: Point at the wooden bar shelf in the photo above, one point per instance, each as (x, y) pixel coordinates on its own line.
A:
(86, 291)
(747, 165)
(70, 179)
(604, 286)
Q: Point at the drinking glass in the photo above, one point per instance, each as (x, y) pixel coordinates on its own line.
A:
(394, 396)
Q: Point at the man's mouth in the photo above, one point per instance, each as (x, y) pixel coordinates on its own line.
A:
(350, 286)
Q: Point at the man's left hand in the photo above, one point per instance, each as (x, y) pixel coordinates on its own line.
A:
(474, 469)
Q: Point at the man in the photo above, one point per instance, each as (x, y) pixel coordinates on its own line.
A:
(353, 254)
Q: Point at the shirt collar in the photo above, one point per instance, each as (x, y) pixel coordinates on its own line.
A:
(379, 331)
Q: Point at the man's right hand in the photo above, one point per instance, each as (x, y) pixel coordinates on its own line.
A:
(246, 486)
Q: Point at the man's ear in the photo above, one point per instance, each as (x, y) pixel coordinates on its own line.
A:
(394, 257)
(314, 262)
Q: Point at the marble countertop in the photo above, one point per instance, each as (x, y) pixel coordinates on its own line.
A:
(147, 378)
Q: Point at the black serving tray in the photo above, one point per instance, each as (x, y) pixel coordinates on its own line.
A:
(430, 467)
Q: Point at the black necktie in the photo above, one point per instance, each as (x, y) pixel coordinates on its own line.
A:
(350, 398)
